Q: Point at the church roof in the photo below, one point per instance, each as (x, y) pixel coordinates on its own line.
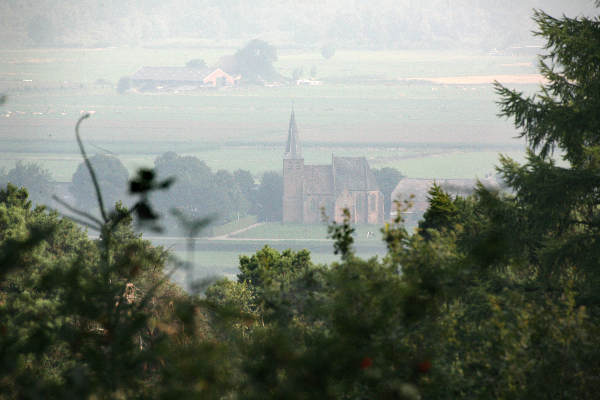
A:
(318, 179)
(292, 148)
(344, 173)
(353, 173)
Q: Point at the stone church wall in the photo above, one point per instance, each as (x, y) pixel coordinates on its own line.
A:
(292, 190)
(313, 205)
(344, 200)
(375, 207)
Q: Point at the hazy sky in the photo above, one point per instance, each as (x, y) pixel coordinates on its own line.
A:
(305, 23)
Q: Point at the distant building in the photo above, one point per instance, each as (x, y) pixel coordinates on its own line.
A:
(416, 191)
(308, 82)
(347, 183)
(164, 78)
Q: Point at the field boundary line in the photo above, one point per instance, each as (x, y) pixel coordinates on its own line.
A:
(227, 236)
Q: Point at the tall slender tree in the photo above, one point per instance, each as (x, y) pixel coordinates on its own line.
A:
(559, 206)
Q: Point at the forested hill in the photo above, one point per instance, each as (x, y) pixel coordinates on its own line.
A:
(381, 24)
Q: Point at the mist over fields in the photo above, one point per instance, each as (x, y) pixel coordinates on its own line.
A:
(376, 104)
(382, 24)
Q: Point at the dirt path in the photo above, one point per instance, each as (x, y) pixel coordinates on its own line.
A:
(227, 236)
(183, 238)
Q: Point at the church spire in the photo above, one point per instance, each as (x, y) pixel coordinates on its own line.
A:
(293, 149)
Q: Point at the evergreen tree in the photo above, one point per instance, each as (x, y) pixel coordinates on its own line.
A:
(442, 212)
(558, 207)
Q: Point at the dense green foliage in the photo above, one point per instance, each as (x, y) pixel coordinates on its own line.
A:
(254, 62)
(496, 296)
(442, 213)
(245, 182)
(198, 192)
(269, 197)
(70, 326)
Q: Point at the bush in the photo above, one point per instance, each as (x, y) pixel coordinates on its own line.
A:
(123, 85)
(196, 63)
(328, 51)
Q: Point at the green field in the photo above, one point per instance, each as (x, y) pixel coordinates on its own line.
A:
(276, 230)
(225, 262)
(208, 263)
(332, 113)
(367, 106)
(233, 226)
(364, 99)
(221, 257)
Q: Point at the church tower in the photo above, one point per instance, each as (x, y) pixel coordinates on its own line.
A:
(293, 175)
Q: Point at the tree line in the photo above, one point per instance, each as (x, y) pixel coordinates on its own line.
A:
(197, 190)
(385, 24)
(494, 296)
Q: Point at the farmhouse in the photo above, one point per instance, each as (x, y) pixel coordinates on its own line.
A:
(164, 78)
(347, 183)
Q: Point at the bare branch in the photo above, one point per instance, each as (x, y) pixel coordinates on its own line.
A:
(90, 168)
(82, 222)
(75, 210)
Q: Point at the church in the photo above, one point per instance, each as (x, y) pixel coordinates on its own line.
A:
(347, 183)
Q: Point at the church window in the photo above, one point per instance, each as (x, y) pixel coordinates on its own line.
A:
(372, 202)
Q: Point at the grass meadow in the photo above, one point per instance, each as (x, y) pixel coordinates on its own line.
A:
(219, 256)
(218, 264)
(276, 230)
(366, 97)
(367, 106)
(222, 259)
